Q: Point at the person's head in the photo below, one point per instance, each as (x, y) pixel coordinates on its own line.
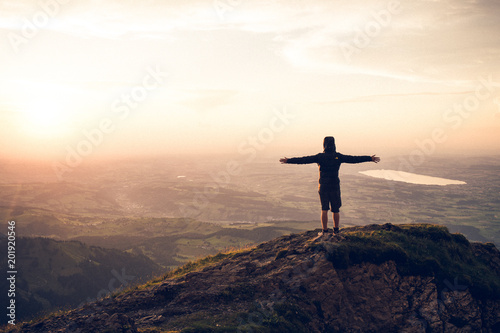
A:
(329, 145)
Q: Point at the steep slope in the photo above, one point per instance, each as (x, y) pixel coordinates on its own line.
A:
(52, 274)
(406, 278)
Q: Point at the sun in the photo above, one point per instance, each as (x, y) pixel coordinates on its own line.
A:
(45, 117)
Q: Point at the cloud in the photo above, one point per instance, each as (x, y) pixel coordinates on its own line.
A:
(203, 100)
(424, 41)
(418, 41)
(371, 98)
(108, 19)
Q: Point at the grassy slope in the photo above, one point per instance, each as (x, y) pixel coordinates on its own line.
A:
(424, 249)
(418, 249)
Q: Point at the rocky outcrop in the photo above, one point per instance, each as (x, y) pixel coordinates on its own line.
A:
(290, 284)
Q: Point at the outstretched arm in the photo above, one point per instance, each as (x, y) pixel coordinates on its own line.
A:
(358, 159)
(300, 160)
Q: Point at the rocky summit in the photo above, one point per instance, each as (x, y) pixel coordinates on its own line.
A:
(375, 278)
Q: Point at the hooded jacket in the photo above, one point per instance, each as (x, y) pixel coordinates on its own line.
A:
(329, 162)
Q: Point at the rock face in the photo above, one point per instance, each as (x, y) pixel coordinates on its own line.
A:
(291, 284)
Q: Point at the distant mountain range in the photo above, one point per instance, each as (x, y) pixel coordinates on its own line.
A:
(375, 278)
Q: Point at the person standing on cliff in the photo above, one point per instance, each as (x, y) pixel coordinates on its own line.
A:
(329, 183)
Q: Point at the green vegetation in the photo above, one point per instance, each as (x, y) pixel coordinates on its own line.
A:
(202, 322)
(197, 265)
(285, 317)
(426, 250)
(54, 274)
(169, 242)
(92, 202)
(418, 249)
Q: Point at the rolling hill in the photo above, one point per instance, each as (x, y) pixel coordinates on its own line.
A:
(53, 274)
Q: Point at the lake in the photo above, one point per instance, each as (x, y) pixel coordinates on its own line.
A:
(412, 178)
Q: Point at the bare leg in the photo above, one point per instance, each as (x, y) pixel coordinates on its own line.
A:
(324, 219)
(336, 219)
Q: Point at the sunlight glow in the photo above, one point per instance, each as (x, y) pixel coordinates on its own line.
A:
(381, 75)
(45, 117)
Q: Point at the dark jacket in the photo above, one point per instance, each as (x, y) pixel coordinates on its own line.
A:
(329, 165)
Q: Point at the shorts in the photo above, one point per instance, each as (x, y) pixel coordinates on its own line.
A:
(330, 199)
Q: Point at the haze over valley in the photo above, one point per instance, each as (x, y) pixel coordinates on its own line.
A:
(261, 192)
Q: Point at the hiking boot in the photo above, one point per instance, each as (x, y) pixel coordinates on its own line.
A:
(336, 230)
(323, 232)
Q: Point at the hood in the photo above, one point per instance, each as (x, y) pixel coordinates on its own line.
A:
(329, 144)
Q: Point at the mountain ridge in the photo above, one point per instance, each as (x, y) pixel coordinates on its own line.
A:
(54, 273)
(411, 278)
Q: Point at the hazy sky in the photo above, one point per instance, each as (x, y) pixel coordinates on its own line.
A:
(95, 78)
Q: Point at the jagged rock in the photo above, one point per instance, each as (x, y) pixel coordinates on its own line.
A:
(290, 284)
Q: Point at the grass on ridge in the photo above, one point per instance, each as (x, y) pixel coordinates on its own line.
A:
(198, 264)
(424, 249)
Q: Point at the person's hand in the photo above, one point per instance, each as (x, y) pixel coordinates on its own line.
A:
(283, 160)
(375, 159)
